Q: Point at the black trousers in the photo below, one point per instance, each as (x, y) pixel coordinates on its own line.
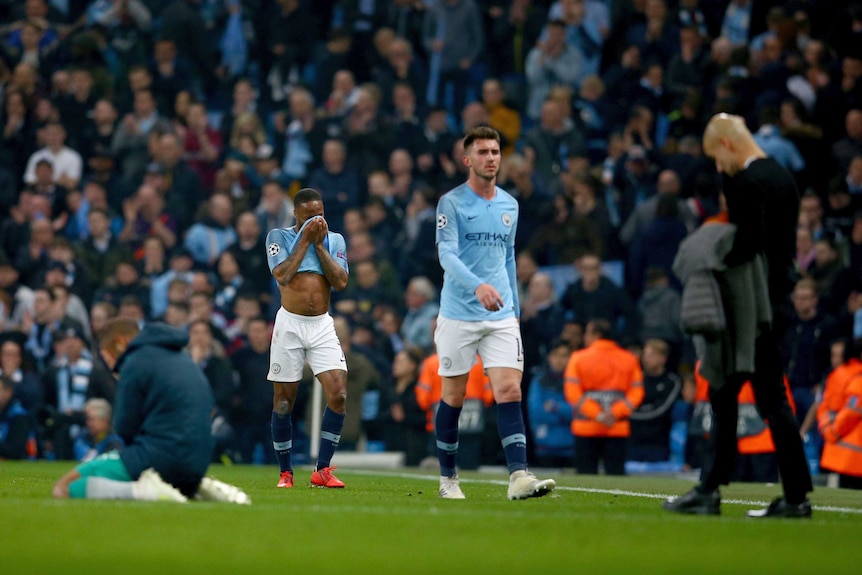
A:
(611, 450)
(771, 398)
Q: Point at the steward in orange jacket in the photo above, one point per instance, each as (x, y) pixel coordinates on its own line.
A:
(471, 422)
(839, 419)
(604, 384)
(756, 462)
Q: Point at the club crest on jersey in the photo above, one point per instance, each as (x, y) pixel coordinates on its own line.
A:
(273, 249)
(507, 219)
(441, 221)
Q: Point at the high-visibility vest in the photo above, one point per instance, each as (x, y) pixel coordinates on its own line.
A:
(602, 377)
(752, 432)
(429, 390)
(839, 419)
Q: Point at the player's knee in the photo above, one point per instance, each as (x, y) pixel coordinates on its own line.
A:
(283, 406)
(337, 400)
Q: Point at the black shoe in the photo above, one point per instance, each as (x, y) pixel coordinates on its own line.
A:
(695, 503)
(781, 508)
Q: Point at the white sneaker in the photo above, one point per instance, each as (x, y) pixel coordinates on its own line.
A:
(523, 485)
(211, 489)
(151, 487)
(449, 488)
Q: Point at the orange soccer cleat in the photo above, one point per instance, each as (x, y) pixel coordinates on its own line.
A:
(325, 478)
(286, 479)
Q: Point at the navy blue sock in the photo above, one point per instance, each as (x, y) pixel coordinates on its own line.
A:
(513, 434)
(330, 435)
(446, 425)
(282, 439)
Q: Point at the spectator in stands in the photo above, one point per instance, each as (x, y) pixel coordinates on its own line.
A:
(100, 250)
(208, 239)
(401, 67)
(554, 142)
(338, 183)
(446, 25)
(99, 436)
(68, 383)
(775, 144)
(805, 346)
(403, 419)
(550, 63)
(838, 421)
(66, 162)
(594, 296)
(850, 146)
(363, 400)
(652, 420)
(229, 281)
(368, 133)
(145, 215)
(657, 37)
(16, 423)
(667, 183)
(541, 319)
(202, 145)
(549, 414)
(124, 282)
(249, 251)
(604, 385)
(299, 137)
(503, 118)
(130, 141)
(421, 309)
(656, 244)
(56, 194)
(252, 401)
(29, 389)
(209, 355)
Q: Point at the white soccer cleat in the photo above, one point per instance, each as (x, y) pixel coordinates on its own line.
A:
(523, 485)
(151, 487)
(211, 489)
(449, 488)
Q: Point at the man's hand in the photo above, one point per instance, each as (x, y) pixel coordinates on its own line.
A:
(606, 418)
(489, 297)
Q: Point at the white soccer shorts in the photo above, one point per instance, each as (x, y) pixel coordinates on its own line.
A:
(299, 338)
(497, 342)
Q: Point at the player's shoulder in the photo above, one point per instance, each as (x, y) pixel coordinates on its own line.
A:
(456, 194)
(277, 234)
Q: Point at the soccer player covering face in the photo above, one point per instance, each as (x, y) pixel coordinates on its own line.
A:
(308, 262)
(479, 312)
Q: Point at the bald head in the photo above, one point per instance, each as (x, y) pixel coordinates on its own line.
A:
(728, 141)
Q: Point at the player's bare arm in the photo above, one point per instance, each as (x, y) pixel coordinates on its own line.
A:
(286, 270)
(333, 272)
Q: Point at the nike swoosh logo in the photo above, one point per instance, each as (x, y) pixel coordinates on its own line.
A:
(471, 218)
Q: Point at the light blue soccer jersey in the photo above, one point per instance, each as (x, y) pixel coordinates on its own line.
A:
(476, 245)
(281, 241)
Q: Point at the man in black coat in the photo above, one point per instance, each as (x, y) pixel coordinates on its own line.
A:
(763, 204)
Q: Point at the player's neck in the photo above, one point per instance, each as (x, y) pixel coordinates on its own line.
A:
(487, 189)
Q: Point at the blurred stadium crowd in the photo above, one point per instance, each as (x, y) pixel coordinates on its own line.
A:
(148, 146)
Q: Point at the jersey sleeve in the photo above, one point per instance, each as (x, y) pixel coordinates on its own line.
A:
(447, 245)
(338, 249)
(277, 249)
(511, 269)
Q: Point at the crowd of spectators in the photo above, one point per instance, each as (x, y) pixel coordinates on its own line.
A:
(149, 145)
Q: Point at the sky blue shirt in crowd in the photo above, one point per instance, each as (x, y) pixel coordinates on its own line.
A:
(281, 241)
(476, 245)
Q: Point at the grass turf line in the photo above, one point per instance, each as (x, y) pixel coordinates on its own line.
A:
(386, 522)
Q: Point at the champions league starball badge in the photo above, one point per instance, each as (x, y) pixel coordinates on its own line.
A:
(273, 249)
(441, 221)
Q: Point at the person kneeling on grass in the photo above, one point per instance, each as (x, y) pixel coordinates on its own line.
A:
(162, 413)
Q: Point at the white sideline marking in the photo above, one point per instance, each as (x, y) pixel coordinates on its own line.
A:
(624, 492)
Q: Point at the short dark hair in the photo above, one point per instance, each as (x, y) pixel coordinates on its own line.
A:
(306, 195)
(480, 133)
(601, 328)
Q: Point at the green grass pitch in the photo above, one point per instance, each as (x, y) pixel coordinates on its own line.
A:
(393, 522)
